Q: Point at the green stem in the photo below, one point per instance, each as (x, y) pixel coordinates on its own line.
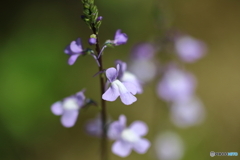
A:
(104, 145)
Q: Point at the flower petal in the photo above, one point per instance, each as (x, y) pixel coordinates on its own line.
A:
(130, 87)
(72, 59)
(76, 46)
(111, 74)
(126, 97)
(57, 109)
(120, 38)
(122, 120)
(69, 118)
(122, 68)
(131, 78)
(141, 146)
(111, 94)
(121, 149)
(80, 98)
(139, 128)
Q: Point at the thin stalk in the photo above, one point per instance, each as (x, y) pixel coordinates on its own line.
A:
(104, 145)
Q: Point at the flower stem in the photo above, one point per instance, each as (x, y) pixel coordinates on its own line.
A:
(104, 146)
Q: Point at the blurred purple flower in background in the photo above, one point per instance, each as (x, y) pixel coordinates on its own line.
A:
(117, 88)
(143, 64)
(169, 146)
(94, 126)
(143, 51)
(120, 38)
(69, 108)
(176, 85)
(74, 50)
(128, 138)
(189, 49)
(188, 112)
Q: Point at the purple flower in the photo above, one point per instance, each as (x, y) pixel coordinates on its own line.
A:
(176, 85)
(129, 80)
(74, 50)
(189, 49)
(117, 88)
(143, 51)
(120, 38)
(69, 108)
(187, 112)
(128, 138)
(169, 146)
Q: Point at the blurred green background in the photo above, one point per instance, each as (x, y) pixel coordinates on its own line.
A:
(35, 74)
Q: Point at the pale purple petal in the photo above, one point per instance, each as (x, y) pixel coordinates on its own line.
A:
(122, 68)
(80, 98)
(121, 149)
(75, 46)
(120, 38)
(111, 94)
(127, 98)
(131, 82)
(122, 120)
(115, 128)
(72, 59)
(57, 109)
(69, 118)
(141, 146)
(139, 127)
(111, 74)
(67, 50)
(130, 87)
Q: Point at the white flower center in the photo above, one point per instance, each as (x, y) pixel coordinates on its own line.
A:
(129, 136)
(70, 104)
(121, 87)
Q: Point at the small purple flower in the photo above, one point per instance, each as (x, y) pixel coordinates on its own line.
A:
(92, 41)
(169, 146)
(117, 88)
(129, 80)
(120, 38)
(188, 112)
(176, 85)
(189, 49)
(74, 50)
(128, 138)
(99, 18)
(69, 108)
